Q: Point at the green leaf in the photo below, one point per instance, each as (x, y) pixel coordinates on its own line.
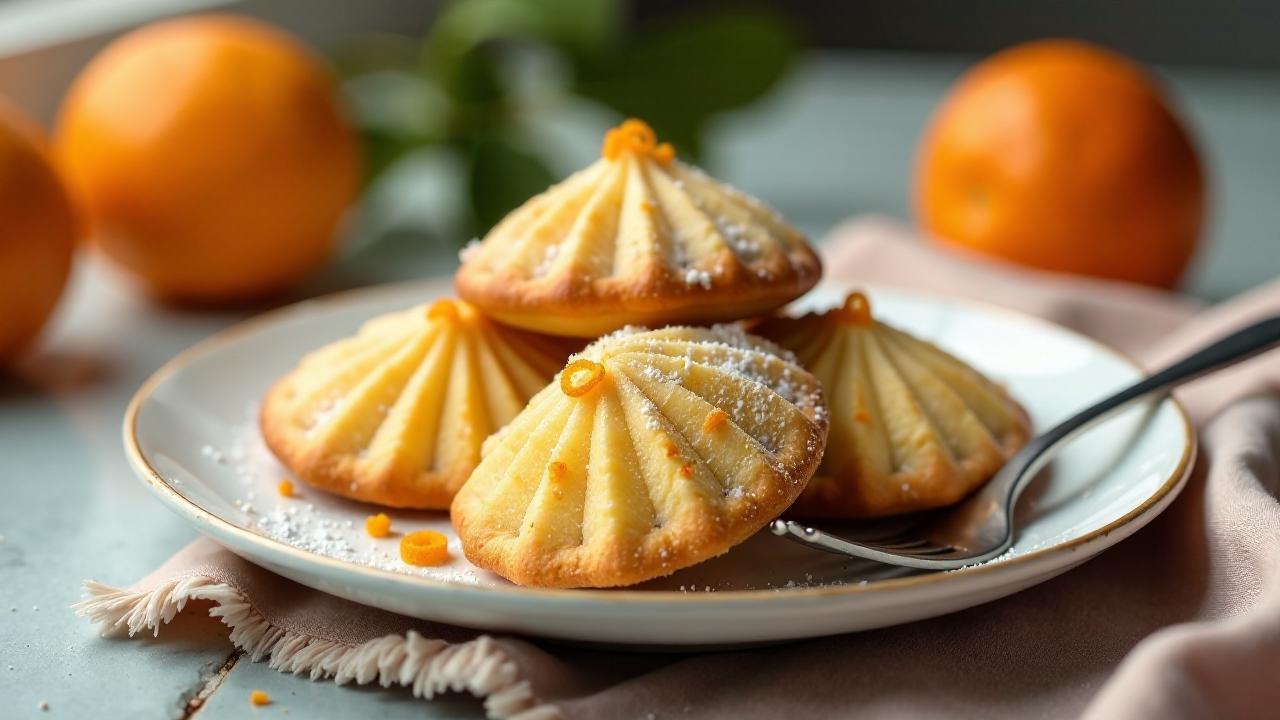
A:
(382, 149)
(396, 111)
(475, 78)
(580, 26)
(503, 176)
(679, 73)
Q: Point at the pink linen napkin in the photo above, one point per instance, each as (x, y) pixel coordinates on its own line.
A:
(1182, 620)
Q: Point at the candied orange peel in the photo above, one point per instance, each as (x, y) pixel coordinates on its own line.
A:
(259, 697)
(714, 420)
(580, 376)
(285, 488)
(378, 526)
(443, 309)
(635, 136)
(856, 310)
(424, 548)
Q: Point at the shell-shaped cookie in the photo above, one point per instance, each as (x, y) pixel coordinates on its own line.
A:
(651, 451)
(396, 414)
(912, 427)
(637, 238)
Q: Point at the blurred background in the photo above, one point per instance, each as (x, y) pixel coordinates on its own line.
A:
(464, 109)
(226, 166)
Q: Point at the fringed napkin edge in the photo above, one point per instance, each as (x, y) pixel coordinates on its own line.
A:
(430, 667)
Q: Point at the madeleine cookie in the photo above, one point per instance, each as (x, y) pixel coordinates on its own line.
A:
(396, 414)
(637, 238)
(912, 427)
(650, 452)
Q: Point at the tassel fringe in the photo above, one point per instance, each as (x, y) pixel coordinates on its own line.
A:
(430, 667)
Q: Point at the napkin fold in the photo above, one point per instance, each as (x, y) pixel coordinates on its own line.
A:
(1182, 620)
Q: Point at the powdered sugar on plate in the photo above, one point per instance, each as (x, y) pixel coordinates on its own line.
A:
(317, 522)
(328, 526)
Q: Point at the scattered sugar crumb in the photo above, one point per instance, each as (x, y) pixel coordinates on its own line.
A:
(694, 276)
(469, 251)
(548, 259)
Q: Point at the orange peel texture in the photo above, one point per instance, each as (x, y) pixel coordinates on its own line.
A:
(378, 526)
(424, 548)
(635, 136)
(714, 420)
(580, 376)
(443, 309)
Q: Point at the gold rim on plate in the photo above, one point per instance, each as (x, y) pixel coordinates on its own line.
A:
(228, 335)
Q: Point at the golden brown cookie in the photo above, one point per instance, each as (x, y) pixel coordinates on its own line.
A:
(651, 451)
(637, 238)
(912, 427)
(396, 414)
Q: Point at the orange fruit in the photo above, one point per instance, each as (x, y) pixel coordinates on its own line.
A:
(1063, 156)
(38, 231)
(212, 157)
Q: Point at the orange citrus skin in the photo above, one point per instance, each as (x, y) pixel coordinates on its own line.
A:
(1063, 156)
(211, 156)
(38, 232)
(424, 548)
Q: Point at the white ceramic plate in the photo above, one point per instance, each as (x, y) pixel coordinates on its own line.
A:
(191, 434)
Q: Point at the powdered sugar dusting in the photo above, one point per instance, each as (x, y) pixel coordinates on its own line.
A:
(469, 251)
(694, 276)
(548, 259)
(323, 524)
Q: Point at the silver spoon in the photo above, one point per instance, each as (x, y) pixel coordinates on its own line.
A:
(981, 527)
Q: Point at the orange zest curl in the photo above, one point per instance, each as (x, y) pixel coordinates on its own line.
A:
(714, 420)
(664, 153)
(424, 548)
(285, 488)
(580, 376)
(557, 471)
(443, 309)
(259, 697)
(856, 310)
(635, 136)
(378, 526)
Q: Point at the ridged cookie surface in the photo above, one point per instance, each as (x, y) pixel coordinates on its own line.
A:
(912, 427)
(649, 452)
(637, 238)
(396, 414)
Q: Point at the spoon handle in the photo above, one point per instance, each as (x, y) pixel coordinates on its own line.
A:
(1233, 348)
